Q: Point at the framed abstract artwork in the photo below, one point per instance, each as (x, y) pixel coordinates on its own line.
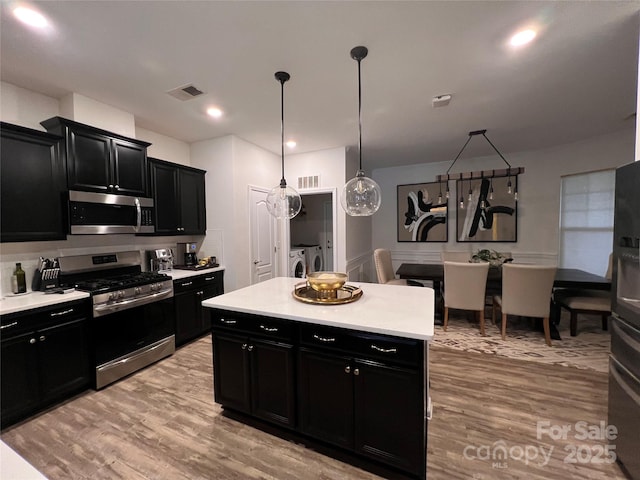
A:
(495, 219)
(421, 218)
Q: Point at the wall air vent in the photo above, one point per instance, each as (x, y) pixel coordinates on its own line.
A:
(312, 181)
(185, 92)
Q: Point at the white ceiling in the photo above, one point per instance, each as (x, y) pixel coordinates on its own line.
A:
(576, 80)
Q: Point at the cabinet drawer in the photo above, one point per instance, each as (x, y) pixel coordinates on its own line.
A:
(197, 281)
(390, 349)
(255, 325)
(328, 338)
(21, 322)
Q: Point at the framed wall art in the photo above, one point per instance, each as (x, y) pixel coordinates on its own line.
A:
(421, 218)
(495, 219)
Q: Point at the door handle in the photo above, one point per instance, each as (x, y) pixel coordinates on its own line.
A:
(255, 262)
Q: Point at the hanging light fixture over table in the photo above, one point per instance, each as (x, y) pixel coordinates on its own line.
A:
(361, 196)
(283, 201)
(490, 174)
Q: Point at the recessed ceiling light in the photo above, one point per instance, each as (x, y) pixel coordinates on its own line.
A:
(30, 17)
(291, 144)
(522, 37)
(214, 112)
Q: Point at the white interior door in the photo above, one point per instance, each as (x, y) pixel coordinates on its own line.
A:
(262, 237)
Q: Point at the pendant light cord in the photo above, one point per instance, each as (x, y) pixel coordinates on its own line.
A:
(282, 77)
(359, 115)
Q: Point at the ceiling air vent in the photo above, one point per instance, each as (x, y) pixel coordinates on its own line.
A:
(186, 92)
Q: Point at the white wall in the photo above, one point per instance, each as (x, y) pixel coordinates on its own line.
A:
(24, 107)
(165, 148)
(100, 115)
(538, 187)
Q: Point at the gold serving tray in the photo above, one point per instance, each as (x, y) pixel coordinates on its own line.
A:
(347, 294)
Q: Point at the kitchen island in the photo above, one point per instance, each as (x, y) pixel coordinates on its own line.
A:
(353, 376)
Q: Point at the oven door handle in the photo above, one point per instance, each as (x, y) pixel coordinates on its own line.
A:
(138, 215)
(100, 310)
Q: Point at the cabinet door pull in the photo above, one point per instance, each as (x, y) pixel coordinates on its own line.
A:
(13, 324)
(64, 312)
(32, 341)
(269, 329)
(228, 322)
(42, 338)
(250, 348)
(324, 339)
(347, 369)
(384, 350)
(186, 284)
(356, 371)
(208, 279)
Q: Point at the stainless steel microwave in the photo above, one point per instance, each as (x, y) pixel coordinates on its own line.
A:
(100, 213)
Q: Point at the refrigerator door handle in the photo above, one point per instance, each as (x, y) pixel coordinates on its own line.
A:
(614, 369)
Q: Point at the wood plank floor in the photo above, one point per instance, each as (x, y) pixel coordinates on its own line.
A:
(161, 423)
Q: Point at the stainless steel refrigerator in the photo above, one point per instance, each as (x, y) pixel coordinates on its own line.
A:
(624, 362)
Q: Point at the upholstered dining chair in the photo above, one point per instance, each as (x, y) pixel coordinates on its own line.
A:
(464, 289)
(584, 301)
(526, 291)
(385, 272)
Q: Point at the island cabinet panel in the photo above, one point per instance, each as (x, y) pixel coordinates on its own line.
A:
(325, 387)
(254, 367)
(387, 400)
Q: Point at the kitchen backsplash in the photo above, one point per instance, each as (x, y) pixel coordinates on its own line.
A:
(28, 253)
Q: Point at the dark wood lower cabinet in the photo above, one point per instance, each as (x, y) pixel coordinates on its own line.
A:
(357, 391)
(255, 376)
(44, 359)
(191, 319)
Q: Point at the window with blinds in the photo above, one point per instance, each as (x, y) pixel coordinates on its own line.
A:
(586, 221)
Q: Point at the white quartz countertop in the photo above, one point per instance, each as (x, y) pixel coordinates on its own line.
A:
(30, 300)
(388, 309)
(14, 467)
(180, 274)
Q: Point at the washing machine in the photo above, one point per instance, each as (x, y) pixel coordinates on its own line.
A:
(297, 263)
(315, 259)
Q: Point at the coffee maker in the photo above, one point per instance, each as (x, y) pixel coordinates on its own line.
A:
(186, 252)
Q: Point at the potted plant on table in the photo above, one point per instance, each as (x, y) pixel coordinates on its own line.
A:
(495, 259)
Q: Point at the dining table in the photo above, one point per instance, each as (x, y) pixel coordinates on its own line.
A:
(571, 278)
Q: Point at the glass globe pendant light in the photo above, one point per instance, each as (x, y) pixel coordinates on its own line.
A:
(283, 201)
(361, 196)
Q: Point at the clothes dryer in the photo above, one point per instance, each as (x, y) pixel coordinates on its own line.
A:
(297, 263)
(315, 258)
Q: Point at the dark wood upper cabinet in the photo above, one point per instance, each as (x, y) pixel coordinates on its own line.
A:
(179, 198)
(33, 185)
(102, 161)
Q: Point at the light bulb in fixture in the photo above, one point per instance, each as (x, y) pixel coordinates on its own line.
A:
(461, 203)
(361, 196)
(283, 201)
(515, 195)
(447, 192)
(509, 187)
(491, 188)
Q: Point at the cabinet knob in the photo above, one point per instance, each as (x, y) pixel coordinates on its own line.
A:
(42, 338)
(110, 186)
(347, 369)
(250, 348)
(117, 187)
(244, 346)
(32, 341)
(356, 371)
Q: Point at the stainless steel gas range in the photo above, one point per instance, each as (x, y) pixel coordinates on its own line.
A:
(133, 322)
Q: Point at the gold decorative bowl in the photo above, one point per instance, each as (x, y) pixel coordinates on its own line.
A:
(326, 283)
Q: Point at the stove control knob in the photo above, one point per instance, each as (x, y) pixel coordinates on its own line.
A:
(121, 294)
(152, 287)
(113, 295)
(137, 290)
